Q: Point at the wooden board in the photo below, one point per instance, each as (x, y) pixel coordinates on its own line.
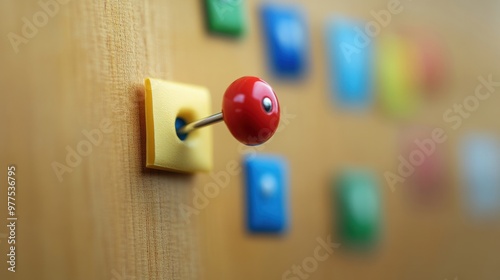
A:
(109, 218)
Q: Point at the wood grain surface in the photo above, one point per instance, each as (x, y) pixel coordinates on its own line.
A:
(107, 217)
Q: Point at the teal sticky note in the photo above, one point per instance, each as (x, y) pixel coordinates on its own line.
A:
(357, 203)
(225, 17)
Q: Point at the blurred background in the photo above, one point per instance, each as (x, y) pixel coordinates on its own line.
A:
(389, 136)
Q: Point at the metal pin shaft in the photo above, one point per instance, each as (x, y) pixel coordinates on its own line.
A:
(201, 123)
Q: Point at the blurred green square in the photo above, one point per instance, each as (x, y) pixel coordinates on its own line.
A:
(225, 17)
(358, 207)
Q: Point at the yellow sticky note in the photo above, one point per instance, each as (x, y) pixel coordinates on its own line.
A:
(396, 73)
(165, 101)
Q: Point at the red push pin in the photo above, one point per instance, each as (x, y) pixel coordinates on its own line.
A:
(250, 110)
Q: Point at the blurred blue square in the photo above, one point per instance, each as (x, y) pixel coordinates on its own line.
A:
(350, 59)
(480, 163)
(286, 38)
(266, 179)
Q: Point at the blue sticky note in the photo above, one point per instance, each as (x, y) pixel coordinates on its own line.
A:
(266, 178)
(350, 59)
(286, 38)
(480, 163)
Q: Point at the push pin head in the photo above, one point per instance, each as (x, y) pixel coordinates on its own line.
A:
(250, 110)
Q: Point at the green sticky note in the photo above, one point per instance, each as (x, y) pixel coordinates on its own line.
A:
(225, 17)
(358, 208)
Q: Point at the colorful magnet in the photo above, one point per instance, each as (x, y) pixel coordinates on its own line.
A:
(266, 178)
(350, 56)
(225, 17)
(357, 201)
(398, 80)
(286, 38)
(424, 148)
(480, 162)
(430, 60)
